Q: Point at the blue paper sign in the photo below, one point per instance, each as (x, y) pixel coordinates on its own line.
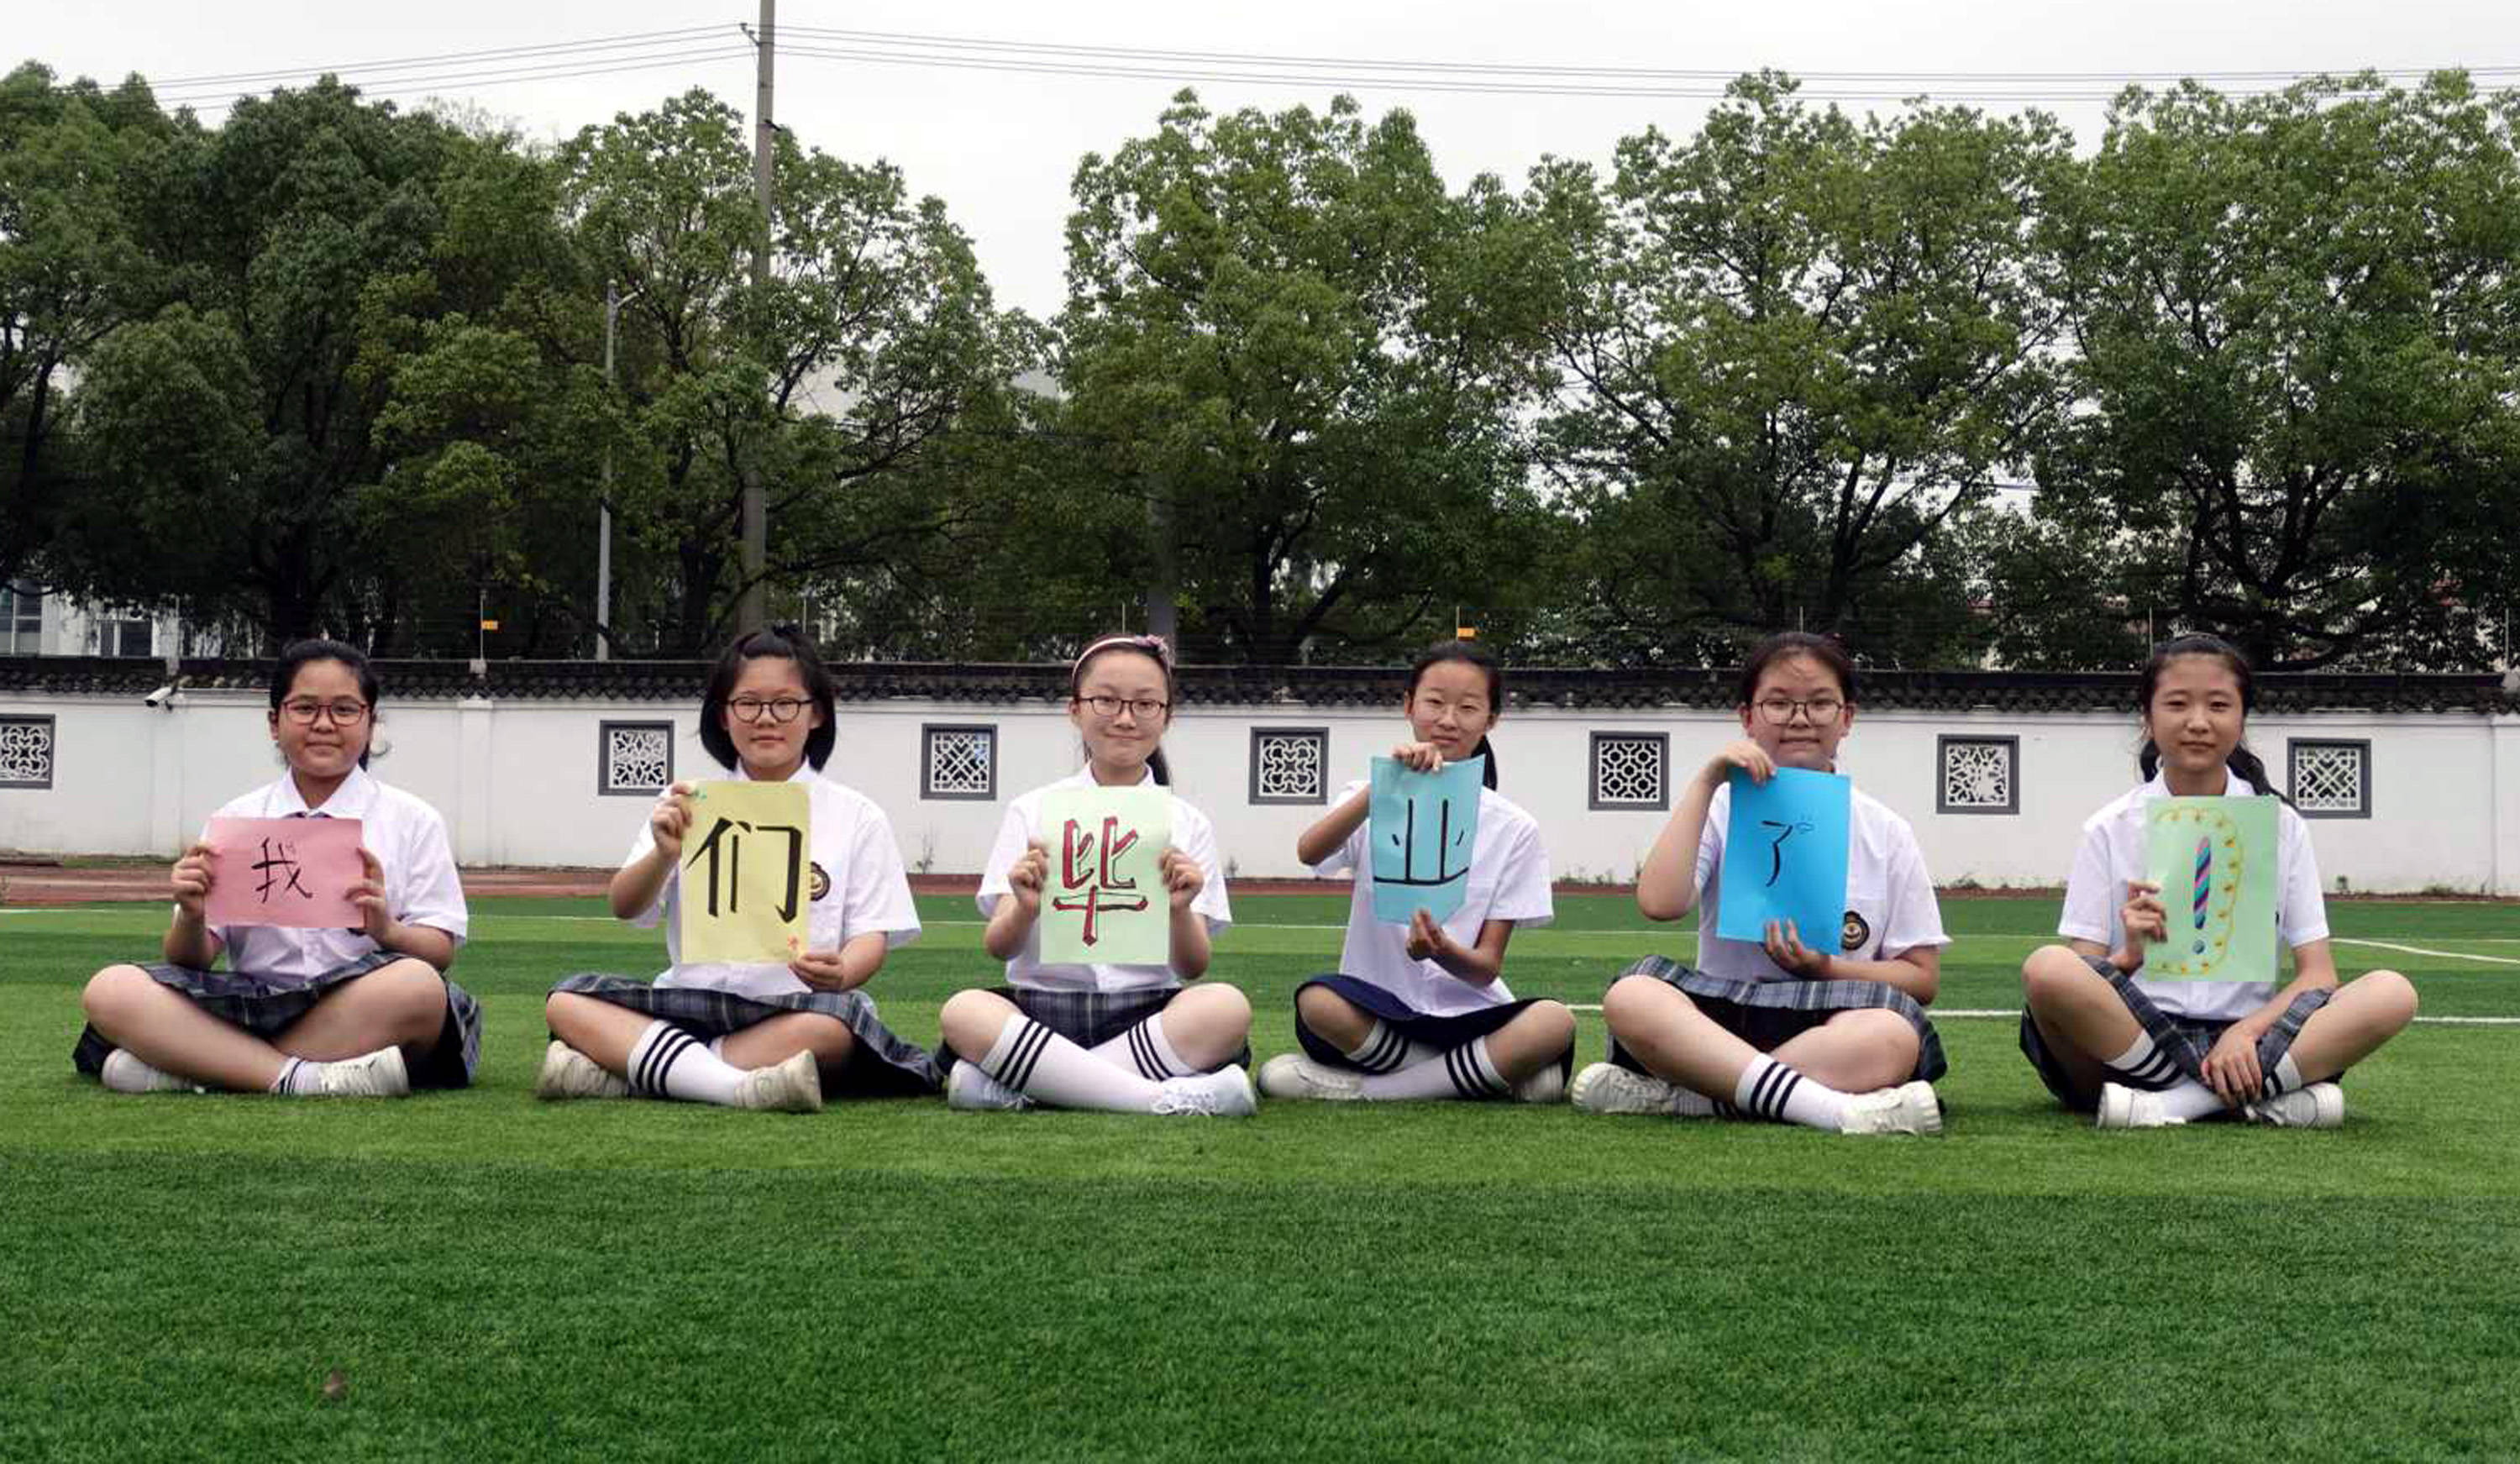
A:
(1784, 857)
(1423, 829)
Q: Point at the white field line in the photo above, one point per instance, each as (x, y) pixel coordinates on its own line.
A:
(2015, 1015)
(2500, 961)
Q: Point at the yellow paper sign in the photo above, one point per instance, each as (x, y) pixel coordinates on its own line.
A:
(744, 872)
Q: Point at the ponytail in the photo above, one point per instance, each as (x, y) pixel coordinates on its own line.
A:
(1487, 770)
(1162, 770)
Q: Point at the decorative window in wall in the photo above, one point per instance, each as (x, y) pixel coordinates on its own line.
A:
(1291, 764)
(958, 762)
(2330, 777)
(1978, 775)
(1628, 769)
(634, 759)
(25, 752)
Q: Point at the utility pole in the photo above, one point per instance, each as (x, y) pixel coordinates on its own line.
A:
(752, 613)
(613, 301)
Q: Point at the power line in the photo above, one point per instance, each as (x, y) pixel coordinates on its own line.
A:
(501, 53)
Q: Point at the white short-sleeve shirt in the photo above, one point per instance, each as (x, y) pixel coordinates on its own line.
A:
(1890, 905)
(408, 839)
(1192, 835)
(1508, 881)
(2113, 852)
(856, 884)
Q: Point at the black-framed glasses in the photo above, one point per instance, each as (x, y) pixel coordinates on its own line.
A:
(345, 713)
(780, 709)
(1146, 708)
(1779, 710)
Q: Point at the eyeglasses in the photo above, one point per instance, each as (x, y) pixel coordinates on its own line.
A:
(1779, 710)
(779, 709)
(1146, 708)
(342, 713)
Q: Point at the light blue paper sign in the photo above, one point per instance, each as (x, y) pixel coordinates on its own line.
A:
(1784, 857)
(1423, 829)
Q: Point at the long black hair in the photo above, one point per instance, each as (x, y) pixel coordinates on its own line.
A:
(297, 655)
(1786, 643)
(2241, 761)
(788, 643)
(1475, 654)
(1154, 648)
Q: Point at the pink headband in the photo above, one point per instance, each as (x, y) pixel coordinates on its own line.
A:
(1152, 646)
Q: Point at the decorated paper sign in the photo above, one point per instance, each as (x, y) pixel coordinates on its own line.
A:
(2214, 860)
(1422, 829)
(295, 873)
(1104, 900)
(744, 872)
(1784, 857)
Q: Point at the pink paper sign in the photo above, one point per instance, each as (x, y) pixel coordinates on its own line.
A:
(295, 873)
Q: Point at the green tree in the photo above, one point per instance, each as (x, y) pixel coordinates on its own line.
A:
(2297, 321)
(842, 381)
(75, 173)
(1284, 376)
(1788, 351)
(239, 466)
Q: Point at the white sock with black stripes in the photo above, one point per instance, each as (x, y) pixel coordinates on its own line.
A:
(2280, 1079)
(1047, 1068)
(1769, 1090)
(1144, 1049)
(2143, 1065)
(1385, 1050)
(1465, 1072)
(667, 1062)
(300, 1078)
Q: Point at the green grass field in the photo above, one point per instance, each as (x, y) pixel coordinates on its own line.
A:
(632, 1280)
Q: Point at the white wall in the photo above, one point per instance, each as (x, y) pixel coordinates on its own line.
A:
(517, 781)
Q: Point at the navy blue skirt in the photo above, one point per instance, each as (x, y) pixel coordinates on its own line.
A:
(1406, 1025)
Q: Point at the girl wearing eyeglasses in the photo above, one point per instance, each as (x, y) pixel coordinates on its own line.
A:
(362, 1012)
(1824, 1028)
(1120, 1038)
(752, 1035)
(1422, 1010)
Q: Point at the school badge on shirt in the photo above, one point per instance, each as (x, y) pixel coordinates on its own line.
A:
(1854, 935)
(818, 884)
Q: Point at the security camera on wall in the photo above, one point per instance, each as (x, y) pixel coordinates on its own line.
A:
(160, 697)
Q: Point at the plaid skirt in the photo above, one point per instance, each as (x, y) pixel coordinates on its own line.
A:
(900, 1068)
(2186, 1040)
(267, 1007)
(1442, 1034)
(1090, 1019)
(1768, 1014)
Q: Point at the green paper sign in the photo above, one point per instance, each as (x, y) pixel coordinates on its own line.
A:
(1104, 900)
(2214, 860)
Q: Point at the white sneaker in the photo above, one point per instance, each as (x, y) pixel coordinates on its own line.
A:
(1909, 1108)
(973, 1089)
(1224, 1094)
(1548, 1085)
(2124, 1107)
(127, 1074)
(1290, 1075)
(568, 1073)
(792, 1086)
(1608, 1087)
(379, 1074)
(2312, 1106)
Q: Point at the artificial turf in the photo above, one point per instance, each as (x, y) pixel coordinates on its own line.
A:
(496, 1278)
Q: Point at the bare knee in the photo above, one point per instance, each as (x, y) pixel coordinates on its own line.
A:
(828, 1037)
(1325, 1013)
(1550, 1026)
(1217, 1003)
(1634, 1003)
(2392, 997)
(971, 1021)
(112, 993)
(1889, 1045)
(2053, 974)
(413, 996)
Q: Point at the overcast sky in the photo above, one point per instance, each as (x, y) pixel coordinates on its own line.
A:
(1000, 146)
